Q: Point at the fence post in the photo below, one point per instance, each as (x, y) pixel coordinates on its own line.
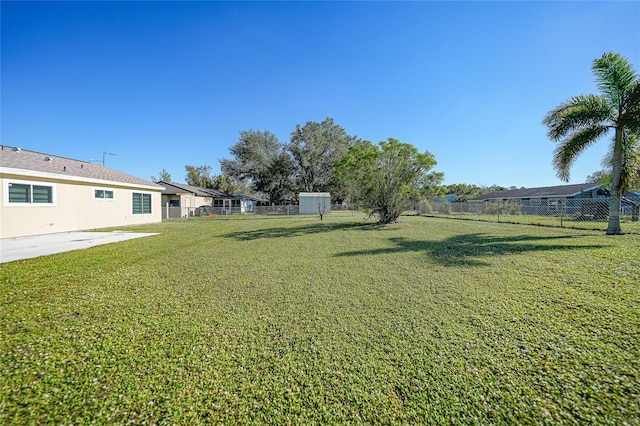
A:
(562, 213)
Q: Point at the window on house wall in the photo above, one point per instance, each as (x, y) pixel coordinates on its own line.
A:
(141, 203)
(27, 193)
(555, 205)
(103, 194)
(217, 203)
(42, 194)
(235, 203)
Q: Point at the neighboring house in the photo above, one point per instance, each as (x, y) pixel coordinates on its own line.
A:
(315, 202)
(248, 203)
(182, 200)
(581, 190)
(631, 205)
(43, 194)
(555, 199)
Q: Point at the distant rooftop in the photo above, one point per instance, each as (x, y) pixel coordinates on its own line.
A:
(541, 192)
(172, 188)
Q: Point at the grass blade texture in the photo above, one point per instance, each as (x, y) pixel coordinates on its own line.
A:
(296, 320)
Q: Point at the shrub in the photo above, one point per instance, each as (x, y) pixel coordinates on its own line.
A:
(424, 207)
(444, 207)
(492, 208)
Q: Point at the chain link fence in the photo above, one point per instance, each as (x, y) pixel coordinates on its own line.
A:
(185, 212)
(287, 210)
(588, 213)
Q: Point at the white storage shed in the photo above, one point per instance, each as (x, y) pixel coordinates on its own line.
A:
(315, 202)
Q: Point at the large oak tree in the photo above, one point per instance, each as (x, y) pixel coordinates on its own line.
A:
(261, 161)
(316, 148)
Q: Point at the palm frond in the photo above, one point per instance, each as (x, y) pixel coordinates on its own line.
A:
(630, 176)
(632, 109)
(614, 75)
(576, 113)
(569, 148)
(630, 167)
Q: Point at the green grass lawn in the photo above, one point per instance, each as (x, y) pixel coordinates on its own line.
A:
(293, 320)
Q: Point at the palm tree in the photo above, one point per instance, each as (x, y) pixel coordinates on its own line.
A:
(582, 120)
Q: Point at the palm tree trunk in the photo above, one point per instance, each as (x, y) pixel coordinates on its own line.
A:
(614, 207)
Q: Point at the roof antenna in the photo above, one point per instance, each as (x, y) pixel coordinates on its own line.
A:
(104, 154)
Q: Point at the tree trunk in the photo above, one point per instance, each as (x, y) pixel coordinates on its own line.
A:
(385, 217)
(614, 206)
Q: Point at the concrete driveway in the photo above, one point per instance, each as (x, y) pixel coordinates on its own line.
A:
(42, 245)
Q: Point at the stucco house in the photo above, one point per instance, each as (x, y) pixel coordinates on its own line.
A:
(182, 200)
(44, 194)
(248, 203)
(583, 198)
(581, 190)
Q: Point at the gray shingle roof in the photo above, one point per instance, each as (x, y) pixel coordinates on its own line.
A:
(22, 159)
(251, 198)
(172, 188)
(546, 191)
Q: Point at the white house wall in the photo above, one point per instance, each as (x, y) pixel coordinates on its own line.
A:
(194, 201)
(74, 208)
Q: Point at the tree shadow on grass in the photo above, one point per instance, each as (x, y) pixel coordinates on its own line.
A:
(287, 232)
(470, 249)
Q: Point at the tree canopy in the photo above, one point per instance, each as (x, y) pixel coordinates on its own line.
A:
(315, 149)
(582, 120)
(199, 176)
(263, 165)
(252, 154)
(279, 171)
(385, 178)
(163, 176)
(262, 162)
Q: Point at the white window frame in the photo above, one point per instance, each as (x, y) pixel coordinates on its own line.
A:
(150, 205)
(555, 204)
(104, 199)
(32, 183)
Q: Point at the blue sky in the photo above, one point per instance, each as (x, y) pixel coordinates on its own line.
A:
(165, 84)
